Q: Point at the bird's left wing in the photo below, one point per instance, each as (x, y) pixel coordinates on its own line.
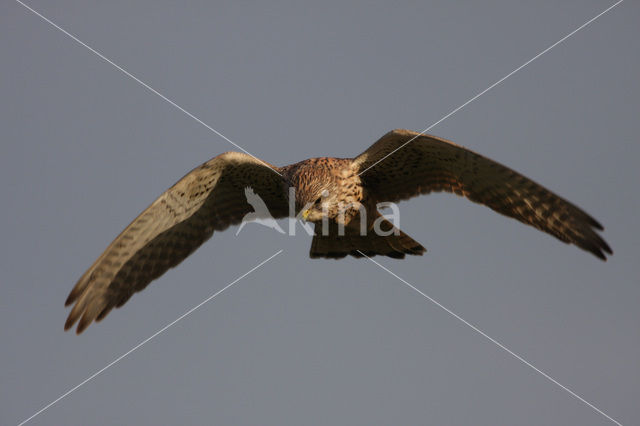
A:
(209, 198)
(404, 164)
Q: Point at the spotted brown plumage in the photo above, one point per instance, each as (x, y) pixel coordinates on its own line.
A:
(429, 163)
(209, 198)
(332, 190)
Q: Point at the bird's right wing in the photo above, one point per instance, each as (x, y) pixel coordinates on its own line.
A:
(209, 198)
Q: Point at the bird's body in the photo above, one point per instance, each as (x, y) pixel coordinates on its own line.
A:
(339, 195)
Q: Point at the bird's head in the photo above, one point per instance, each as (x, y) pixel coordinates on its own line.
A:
(315, 205)
(323, 187)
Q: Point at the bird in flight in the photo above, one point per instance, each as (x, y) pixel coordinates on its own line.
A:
(260, 214)
(401, 165)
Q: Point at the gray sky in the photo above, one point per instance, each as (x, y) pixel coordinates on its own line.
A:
(299, 341)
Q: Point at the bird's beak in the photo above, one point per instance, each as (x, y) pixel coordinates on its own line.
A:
(306, 213)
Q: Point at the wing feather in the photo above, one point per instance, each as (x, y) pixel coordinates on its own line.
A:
(209, 198)
(393, 170)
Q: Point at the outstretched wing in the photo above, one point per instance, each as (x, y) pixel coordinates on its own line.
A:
(392, 170)
(209, 198)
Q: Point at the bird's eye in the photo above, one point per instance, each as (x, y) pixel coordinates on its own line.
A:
(318, 201)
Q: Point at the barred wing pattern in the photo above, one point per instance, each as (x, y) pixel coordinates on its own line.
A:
(428, 164)
(209, 198)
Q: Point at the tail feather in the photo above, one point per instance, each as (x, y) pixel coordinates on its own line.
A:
(397, 244)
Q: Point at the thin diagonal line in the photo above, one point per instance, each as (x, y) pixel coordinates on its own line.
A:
(142, 83)
(500, 345)
(190, 311)
(496, 83)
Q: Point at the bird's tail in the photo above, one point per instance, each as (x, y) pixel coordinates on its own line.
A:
(390, 242)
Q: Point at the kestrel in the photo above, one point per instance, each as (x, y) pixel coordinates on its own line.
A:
(212, 197)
